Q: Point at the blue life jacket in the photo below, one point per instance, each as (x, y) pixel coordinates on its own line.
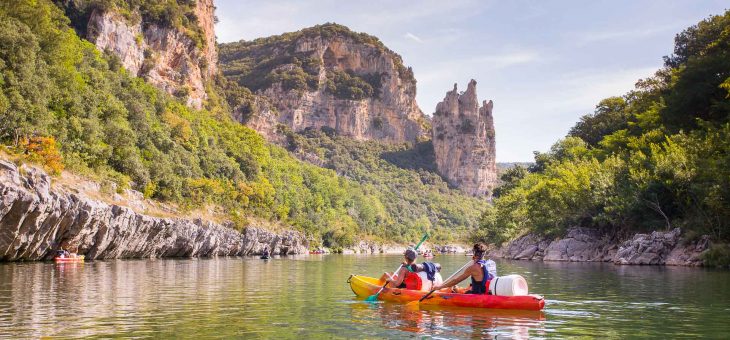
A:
(430, 270)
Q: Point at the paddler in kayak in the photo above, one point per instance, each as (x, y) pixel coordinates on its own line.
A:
(407, 275)
(479, 272)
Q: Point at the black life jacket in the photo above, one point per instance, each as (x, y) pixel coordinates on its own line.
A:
(480, 287)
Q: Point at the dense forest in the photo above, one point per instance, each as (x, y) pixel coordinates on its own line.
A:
(657, 157)
(66, 105)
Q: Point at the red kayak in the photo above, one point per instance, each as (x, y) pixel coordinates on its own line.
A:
(69, 259)
(364, 286)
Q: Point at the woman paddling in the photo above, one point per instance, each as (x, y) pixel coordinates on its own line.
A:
(479, 272)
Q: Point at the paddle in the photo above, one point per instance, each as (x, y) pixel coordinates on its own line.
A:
(373, 298)
(433, 290)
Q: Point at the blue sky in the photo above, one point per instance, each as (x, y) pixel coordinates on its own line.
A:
(543, 63)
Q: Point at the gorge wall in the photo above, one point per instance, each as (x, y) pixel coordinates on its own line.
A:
(36, 220)
(177, 59)
(463, 141)
(328, 76)
(589, 245)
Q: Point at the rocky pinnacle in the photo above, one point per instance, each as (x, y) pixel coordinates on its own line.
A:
(463, 141)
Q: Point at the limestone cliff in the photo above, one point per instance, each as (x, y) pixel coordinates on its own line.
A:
(328, 76)
(463, 141)
(36, 220)
(590, 245)
(176, 59)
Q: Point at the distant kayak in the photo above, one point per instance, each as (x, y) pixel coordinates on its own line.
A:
(69, 259)
(316, 251)
(364, 286)
(265, 257)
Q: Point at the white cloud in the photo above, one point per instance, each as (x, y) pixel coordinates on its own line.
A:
(413, 37)
(591, 37)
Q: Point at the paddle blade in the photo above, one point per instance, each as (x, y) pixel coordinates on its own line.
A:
(372, 298)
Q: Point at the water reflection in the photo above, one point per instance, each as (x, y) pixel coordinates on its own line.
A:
(307, 297)
(451, 321)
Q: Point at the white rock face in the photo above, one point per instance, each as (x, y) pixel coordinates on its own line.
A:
(164, 56)
(36, 220)
(393, 116)
(463, 141)
(589, 245)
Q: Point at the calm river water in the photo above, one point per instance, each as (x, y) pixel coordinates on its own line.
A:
(308, 297)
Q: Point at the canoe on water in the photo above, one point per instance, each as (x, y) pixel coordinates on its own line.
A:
(364, 286)
(70, 259)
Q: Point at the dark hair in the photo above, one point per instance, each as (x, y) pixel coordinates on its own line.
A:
(479, 250)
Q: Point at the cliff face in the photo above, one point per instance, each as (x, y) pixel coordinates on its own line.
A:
(463, 141)
(166, 56)
(588, 245)
(328, 76)
(36, 220)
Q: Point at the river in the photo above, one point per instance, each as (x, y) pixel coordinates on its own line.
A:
(308, 297)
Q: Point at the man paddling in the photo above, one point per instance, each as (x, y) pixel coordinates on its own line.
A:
(407, 275)
(478, 271)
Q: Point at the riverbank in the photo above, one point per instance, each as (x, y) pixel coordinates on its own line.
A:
(36, 219)
(589, 245)
(369, 247)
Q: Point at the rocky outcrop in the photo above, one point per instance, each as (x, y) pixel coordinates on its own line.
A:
(589, 245)
(165, 56)
(335, 59)
(36, 220)
(463, 141)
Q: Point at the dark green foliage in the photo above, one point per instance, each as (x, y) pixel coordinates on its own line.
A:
(717, 256)
(178, 14)
(347, 85)
(510, 179)
(656, 158)
(609, 117)
(419, 157)
(262, 62)
(700, 65)
(24, 82)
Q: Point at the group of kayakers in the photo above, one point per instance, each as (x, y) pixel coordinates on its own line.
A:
(481, 271)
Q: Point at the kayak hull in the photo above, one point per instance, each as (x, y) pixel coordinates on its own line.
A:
(364, 286)
(69, 259)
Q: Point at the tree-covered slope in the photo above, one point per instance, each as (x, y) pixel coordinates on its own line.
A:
(657, 157)
(65, 104)
(402, 178)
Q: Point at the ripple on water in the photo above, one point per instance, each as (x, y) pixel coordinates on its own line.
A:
(308, 298)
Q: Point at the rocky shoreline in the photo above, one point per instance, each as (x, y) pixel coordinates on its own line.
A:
(589, 245)
(36, 220)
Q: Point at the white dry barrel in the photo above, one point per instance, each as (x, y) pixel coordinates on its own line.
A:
(510, 285)
(426, 284)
